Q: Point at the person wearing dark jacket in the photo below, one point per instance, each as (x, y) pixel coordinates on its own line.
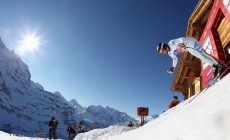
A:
(52, 128)
(71, 133)
(174, 102)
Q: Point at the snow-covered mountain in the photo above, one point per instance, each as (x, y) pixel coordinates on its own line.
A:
(100, 116)
(26, 108)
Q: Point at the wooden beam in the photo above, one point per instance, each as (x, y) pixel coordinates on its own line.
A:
(182, 87)
(194, 66)
(182, 91)
(196, 73)
(197, 68)
(191, 63)
(197, 27)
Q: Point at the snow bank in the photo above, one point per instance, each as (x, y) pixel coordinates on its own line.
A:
(205, 116)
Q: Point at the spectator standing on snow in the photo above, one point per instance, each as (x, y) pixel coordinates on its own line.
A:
(71, 133)
(53, 128)
(80, 128)
(174, 102)
(130, 124)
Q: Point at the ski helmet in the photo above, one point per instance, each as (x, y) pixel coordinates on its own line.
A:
(175, 97)
(161, 47)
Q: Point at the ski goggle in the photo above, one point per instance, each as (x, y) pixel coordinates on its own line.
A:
(161, 51)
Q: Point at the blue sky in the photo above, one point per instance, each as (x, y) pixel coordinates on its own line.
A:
(99, 52)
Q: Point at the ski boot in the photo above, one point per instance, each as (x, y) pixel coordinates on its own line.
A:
(219, 68)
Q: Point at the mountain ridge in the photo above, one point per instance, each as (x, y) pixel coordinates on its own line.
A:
(27, 101)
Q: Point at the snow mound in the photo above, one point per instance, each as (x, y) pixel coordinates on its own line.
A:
(103, 134)
(203, 116)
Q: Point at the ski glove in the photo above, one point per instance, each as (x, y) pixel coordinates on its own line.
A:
(170, 70)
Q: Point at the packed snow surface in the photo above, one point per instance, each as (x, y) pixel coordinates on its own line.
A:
(205, 116)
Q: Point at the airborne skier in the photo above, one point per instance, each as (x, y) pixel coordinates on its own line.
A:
(190, 44)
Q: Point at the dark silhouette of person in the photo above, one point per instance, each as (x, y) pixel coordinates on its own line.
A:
(71, 133)
(53, 128)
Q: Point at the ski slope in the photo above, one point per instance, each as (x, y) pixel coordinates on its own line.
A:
(202, 117)
(206, 116)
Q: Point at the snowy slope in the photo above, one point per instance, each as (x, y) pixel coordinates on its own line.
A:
(26, 108)
(202, 117)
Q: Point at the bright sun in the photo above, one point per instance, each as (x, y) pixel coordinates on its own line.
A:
(29, 44)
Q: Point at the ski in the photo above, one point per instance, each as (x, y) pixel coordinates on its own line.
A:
(218, 77)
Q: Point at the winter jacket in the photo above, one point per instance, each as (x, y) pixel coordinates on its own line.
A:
(80, 128)
(53, 123)
(173, 103)
(70, 130)
(130, 125)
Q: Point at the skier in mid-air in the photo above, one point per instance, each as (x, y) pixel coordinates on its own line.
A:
(190, 44)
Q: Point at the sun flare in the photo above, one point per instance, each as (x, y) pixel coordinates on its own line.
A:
(29, 44)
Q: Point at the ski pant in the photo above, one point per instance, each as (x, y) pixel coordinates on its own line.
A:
(71, 136)
(200, 53)
(52, 133)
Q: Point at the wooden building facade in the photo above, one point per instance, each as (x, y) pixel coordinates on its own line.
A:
(210, 24)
